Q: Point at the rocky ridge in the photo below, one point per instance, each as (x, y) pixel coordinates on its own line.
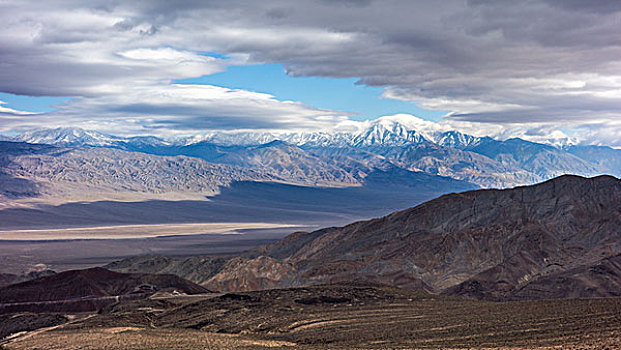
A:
(527, 242)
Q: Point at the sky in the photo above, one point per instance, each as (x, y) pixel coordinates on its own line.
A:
(537, 69)
(359, 101)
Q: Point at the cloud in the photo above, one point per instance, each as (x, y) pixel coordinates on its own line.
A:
(181, 109)
(516, 65)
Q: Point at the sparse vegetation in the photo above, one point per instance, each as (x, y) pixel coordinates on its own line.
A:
(340, 317)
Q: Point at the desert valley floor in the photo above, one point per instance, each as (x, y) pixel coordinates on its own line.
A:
(18, 256)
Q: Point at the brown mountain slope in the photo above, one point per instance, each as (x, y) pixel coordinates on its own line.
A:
(196, 269)
(600, 280)
(513, 237)
(9, 278)
(560, 238)
(91, 283)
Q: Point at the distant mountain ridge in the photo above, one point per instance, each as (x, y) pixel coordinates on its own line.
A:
(386, 156)
(48, 186)
(387, 141)
(388, 130)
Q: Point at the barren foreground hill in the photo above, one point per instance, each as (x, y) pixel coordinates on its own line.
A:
(340, 316)
(87, 290)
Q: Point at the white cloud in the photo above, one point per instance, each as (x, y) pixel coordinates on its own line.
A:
(181, 109)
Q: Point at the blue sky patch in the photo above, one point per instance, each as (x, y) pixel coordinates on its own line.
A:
(325, 93)
(31, 103)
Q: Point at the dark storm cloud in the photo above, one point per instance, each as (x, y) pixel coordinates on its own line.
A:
(597, 6)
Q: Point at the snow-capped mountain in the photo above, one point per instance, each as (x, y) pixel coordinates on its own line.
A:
(68, 136)
(367, 170)
(337, 156)
(244, 138)
(388, 133)
(456, 139)
(385, 131)
(400, 130)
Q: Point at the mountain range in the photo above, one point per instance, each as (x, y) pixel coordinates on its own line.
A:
(389, 164)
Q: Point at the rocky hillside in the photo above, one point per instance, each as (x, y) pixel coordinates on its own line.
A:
(99, 173)
(53, 174)
(92, 283)
(10, 278)
(289, 162)
(73, 174)
(503, 239)
(560, 238)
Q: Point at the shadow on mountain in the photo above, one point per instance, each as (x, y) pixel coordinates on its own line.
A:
(16, 187)
(382, 193)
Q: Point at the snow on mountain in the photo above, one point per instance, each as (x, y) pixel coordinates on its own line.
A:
(148, 140)
(244, 138)
(68, 136)
(398, 130)
(393, 130)
(402, 140)
(387, 132)
(319, 139)
(456, 139)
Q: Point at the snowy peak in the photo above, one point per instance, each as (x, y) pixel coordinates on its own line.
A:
(406, 120)
(388, 134)
(386, 131)
(347, 157)
(456, 139)
(319, 139)
(232, 139)
(68, 136)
